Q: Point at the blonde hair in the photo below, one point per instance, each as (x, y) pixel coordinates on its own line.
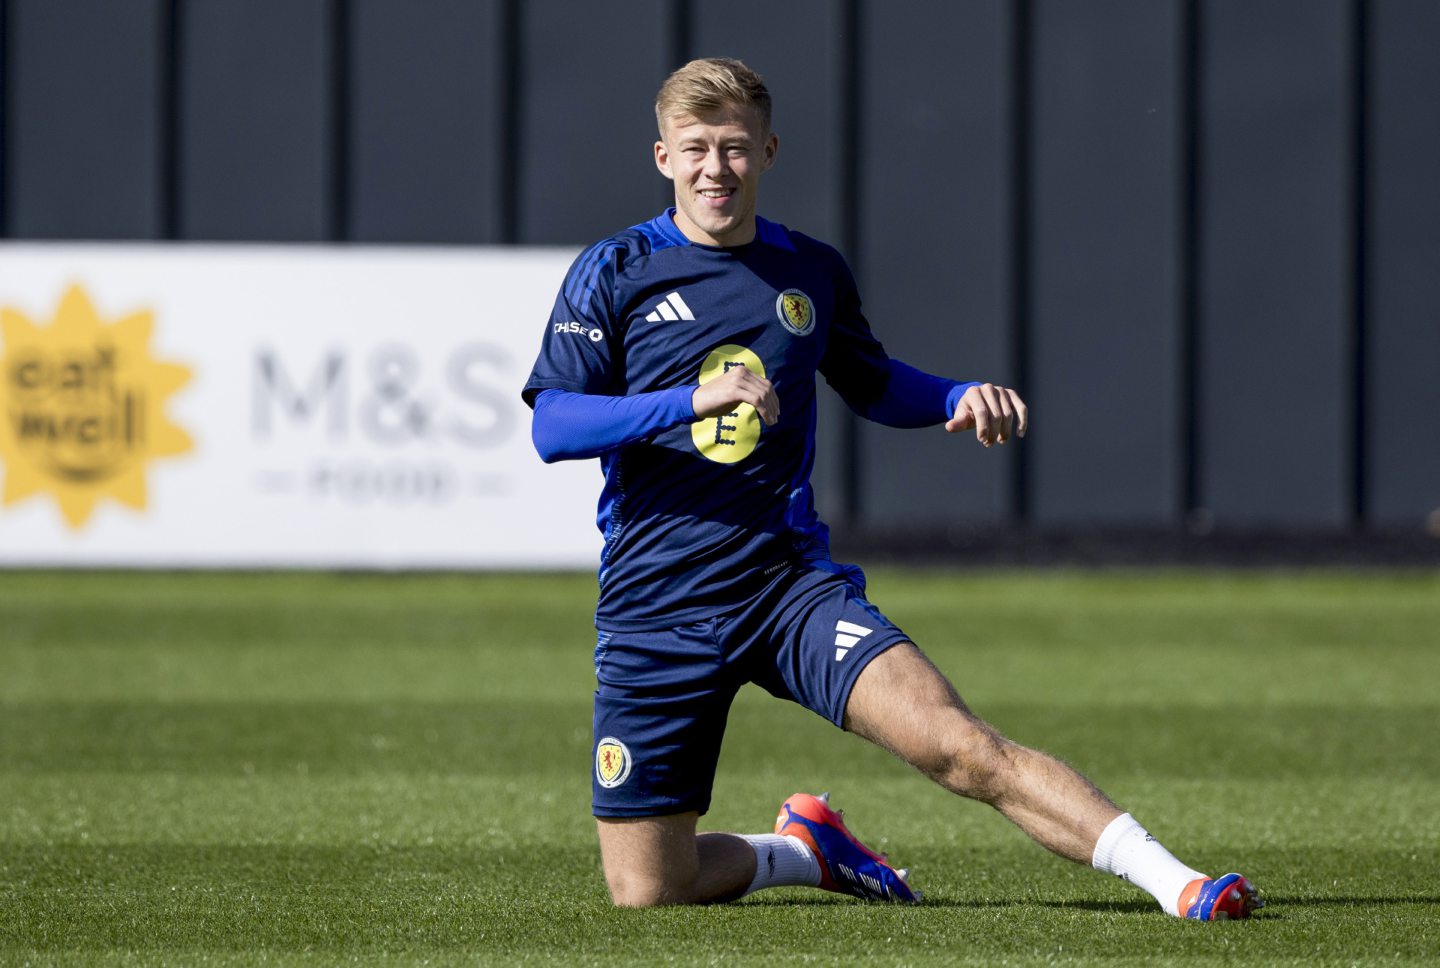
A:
(709, 85)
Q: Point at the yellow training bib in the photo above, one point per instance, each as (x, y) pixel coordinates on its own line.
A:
(730, 437)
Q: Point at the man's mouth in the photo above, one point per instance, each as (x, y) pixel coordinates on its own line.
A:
(716, 193)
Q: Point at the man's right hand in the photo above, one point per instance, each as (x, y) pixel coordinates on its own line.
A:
(736, 386)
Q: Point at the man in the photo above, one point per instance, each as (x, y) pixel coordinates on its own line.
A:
(683, 353)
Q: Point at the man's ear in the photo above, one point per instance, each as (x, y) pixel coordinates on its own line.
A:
(662, 160)
(772, 148)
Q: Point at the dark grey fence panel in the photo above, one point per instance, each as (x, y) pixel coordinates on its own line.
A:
(1274, 314)
(426, 138)
(85, 133)
(588, 78)
(5, 61)
(1104, 324)
(1403, 402)
(799, 54)
(933, 241)
(1061, 251)
(255, 121)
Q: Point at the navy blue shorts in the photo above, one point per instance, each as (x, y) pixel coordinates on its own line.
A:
(663, 696)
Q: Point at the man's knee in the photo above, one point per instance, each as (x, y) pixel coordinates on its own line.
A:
(649, 861)
(971, 758)
(635, 889)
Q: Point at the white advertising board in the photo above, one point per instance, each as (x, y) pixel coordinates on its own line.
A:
(226, 406)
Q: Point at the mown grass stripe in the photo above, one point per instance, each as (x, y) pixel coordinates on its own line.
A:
(393, 770)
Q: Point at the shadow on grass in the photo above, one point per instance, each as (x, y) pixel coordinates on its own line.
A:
(1274, 905)
(1271, 900)
(1114, 907)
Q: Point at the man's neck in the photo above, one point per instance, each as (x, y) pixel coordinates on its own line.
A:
(742, 234)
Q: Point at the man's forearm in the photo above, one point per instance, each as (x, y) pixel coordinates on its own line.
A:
(914, 398)
(575, 426)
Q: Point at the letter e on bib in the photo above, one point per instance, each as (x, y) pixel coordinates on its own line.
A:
(730, 437)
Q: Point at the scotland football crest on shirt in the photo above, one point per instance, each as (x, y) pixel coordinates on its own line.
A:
(796, 312)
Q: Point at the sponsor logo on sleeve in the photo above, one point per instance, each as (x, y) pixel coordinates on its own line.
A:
(594, 333)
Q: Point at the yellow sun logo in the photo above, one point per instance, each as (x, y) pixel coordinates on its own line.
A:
(82, 407)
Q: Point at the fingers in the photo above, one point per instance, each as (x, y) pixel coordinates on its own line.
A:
(736, 386)
(1002, 413)
(768, 406)
(963, 419)
(997, 413)
(1022, 413)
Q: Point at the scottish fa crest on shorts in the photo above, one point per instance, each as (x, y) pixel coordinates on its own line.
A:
(796, 312)
(612, 762)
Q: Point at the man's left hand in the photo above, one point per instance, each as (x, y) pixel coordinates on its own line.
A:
(996, 413)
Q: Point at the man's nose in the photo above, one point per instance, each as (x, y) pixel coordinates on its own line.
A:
(716, 163)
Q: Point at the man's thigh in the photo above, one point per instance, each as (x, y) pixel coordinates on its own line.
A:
(903, 703)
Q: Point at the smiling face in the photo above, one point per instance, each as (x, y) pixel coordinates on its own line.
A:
(716, 162)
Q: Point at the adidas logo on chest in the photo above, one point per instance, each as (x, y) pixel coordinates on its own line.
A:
(671, 308)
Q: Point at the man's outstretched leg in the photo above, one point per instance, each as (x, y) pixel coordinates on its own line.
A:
(904, 704)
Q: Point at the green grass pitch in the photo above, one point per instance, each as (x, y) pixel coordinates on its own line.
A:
(217, 769)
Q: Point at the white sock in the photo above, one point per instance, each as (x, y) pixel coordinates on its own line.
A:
(782, 861)
(1127, 850)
